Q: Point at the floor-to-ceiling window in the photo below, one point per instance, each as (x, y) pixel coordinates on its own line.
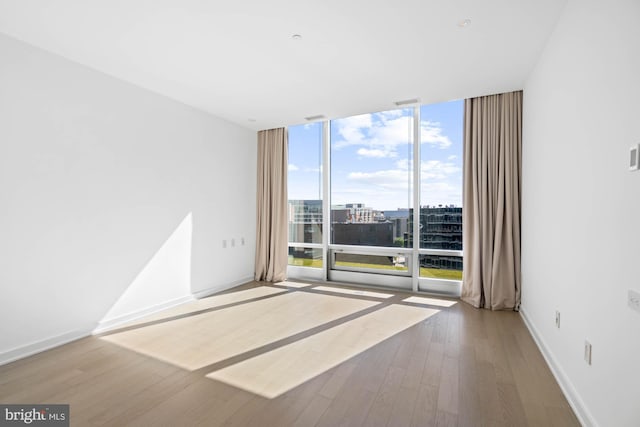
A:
(305, 195)
(441, 127)
(386, 171)
(371, 191)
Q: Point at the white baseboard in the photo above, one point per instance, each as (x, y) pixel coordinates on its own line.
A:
(58, 340)
(574, 399)
(43, 345)
(215, 289)
(120, 320)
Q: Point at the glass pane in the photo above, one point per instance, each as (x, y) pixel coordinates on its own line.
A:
(441, 127)
(371, 178)
(372, 262)
(305, 257)
(441, 267)
(441, 227)
(305, 183)
(305, 221)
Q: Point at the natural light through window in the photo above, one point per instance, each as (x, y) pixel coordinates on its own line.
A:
(381, 167)
(305, 195)
(430, 301)
(205, 304)
(276, 372)
(197, 341)
(371, 180)
(288, 284)
(347, 291)
(441, 189)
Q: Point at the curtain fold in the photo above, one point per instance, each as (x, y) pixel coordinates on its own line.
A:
(271, 206)
(491, 208)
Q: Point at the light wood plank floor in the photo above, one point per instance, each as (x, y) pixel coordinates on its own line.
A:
(301, 355)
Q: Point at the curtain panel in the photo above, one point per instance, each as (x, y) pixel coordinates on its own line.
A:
(271, 206)
(491, 195)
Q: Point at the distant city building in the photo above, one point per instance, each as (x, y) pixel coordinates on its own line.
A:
(371, 234)
(357, 224)
(340, 215)
(440, 228)
(398, 213)
(399, 218)
(305, 211)
(305, 226)
(354, 213)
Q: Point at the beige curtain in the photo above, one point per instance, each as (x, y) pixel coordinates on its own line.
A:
(491, 208)
(271, 200)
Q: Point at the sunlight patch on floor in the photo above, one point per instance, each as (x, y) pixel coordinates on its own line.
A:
(295, 285)
(430, 301)
(197, 341)
(206, 303)
(276, 372)
(358, 292)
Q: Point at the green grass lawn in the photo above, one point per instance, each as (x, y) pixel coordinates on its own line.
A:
(305, 262)
(433, 273)
(438, 273)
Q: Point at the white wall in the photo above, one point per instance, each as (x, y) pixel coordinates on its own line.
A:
(110, 194)
(581, 206)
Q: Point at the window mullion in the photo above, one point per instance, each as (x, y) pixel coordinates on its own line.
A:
(416, 198)
(326, 202)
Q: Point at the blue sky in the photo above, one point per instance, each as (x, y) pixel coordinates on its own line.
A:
(371, 157)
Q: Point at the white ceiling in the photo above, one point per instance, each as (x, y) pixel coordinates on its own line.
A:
(237, 59)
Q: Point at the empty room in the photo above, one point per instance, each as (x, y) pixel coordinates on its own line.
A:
(367, 213)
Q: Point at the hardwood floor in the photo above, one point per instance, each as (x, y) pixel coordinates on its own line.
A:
(301, 356)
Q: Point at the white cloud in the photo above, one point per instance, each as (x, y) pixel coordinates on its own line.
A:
(433, 173)
(441, 193)
(387, 131)
(380, 130)
(388, 135)
(351, 129)
(431, 133)
(391, 188)
(437, 170)
(360, 121)
(292, 167)
(377, 153)
(430, 168)
(403, 164)
(394, 132)
(391, 114)
(389, 179)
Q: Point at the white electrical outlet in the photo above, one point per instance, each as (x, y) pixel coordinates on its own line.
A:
(242, 241)
(634, 158)
(557, 319)
(224, 244)
(233, 243)
(634, 300)
(587, 352)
